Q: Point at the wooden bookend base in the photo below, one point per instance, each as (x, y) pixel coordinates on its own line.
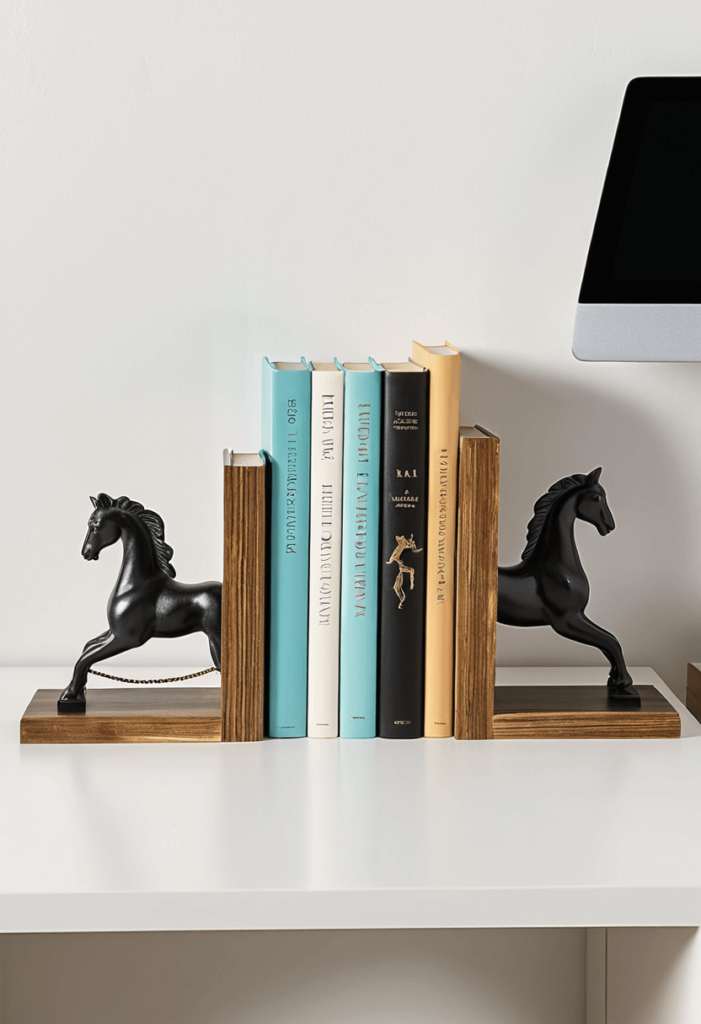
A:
(187, 714)
(580, 712)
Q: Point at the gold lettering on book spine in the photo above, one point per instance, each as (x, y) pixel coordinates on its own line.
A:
(403, 545)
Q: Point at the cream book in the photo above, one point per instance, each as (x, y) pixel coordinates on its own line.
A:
(443, 362)
(325, 549)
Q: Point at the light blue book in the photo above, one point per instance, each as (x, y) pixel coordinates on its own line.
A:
(362, 426)
(286, 436)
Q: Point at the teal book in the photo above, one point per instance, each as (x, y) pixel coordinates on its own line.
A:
(286, 437)
(362, 427)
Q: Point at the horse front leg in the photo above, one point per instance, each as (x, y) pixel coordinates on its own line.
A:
(105, 646)
(618, 670)
(96, 641)
(576, 626)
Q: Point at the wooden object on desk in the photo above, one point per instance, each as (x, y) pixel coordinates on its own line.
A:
(476, 583)
(183, 714)
(243, 598)
(580, 712)
(693, 690)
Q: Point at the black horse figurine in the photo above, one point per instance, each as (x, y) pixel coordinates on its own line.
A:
(146, 601)
(549, 586)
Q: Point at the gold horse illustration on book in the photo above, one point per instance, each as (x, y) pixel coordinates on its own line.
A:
(403, 545)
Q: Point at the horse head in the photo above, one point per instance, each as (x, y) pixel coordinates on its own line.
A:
(113, 518)
(592, 506)
(102, 529)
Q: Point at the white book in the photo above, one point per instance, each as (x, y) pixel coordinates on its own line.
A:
(325, 549)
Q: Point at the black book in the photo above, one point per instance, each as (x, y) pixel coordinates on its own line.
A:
(403, 494)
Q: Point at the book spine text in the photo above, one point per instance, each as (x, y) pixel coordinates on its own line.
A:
(286, 436)
(403, 555)
(444, 425)
(325, 552)
(359, 574)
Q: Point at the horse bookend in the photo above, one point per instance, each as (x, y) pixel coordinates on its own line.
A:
(146, 601)
(549, 587)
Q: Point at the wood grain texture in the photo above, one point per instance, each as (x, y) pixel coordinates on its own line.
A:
(580, 712)
(476, 584)
(184, 714)
(243, 603)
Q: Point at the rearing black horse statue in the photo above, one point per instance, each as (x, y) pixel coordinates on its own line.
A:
(146, 600)
(549, 587)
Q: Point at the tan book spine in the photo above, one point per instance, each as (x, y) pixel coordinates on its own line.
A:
(476, 583)
(243, 601)
(444, 425)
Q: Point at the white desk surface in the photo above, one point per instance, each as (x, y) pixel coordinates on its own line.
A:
(347, 834)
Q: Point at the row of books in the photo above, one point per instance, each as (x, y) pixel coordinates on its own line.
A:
(340, 555)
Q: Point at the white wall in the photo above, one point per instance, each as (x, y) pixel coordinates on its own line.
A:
(187, 185)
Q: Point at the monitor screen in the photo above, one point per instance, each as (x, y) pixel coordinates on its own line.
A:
(646, 244)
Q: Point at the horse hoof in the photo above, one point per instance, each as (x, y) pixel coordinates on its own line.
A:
(625, 692)
(67, 704)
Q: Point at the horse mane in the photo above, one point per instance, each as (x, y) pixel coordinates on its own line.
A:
(153, 521)
(543, 506)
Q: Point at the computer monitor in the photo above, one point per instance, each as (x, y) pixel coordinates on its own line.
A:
(641, 292)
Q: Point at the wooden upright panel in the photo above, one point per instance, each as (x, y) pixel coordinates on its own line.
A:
(243, 598)
(476, 583)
